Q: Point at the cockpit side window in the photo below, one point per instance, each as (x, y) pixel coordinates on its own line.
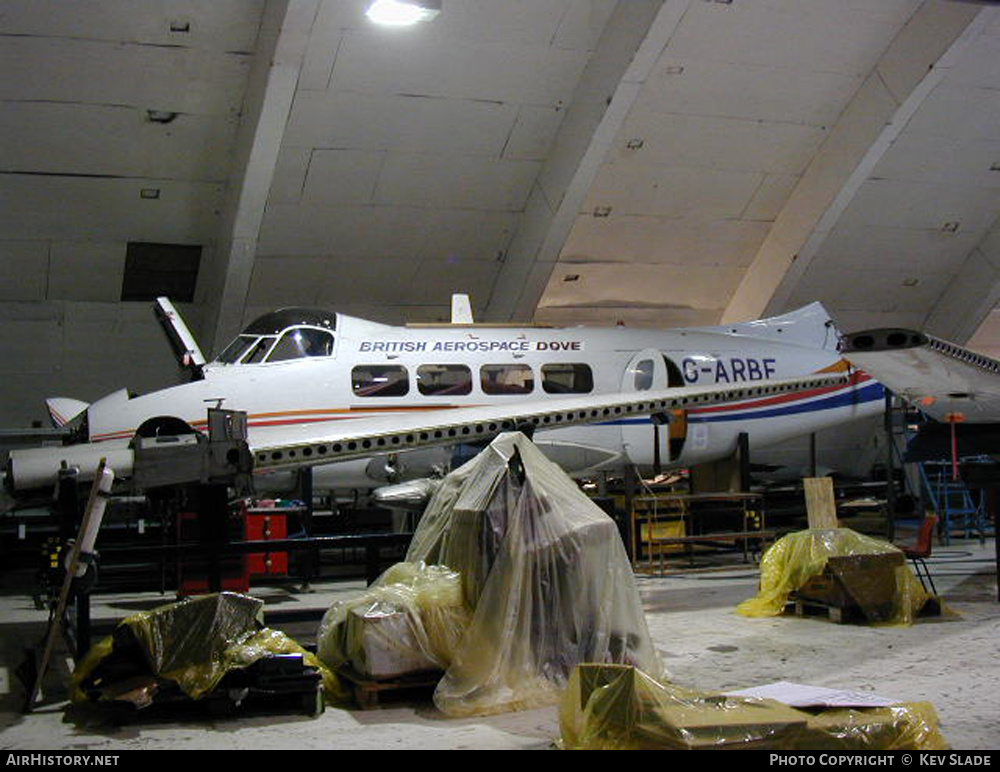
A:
(236, 349)
(258, 351)
(302, 342)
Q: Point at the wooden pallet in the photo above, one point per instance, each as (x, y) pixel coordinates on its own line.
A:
(850, 614)
(838, 614)
(369, 692)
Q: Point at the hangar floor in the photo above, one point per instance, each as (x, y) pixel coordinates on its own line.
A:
(952, 662)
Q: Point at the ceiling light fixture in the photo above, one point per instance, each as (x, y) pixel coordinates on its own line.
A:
(161, 116)
(403, 13)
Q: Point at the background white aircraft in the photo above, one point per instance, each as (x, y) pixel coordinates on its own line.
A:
(321, 387)
(942, 379)
(955, 386)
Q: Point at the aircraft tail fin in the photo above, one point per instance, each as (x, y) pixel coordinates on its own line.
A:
(461, 309)
(809, 326)
(62, 410)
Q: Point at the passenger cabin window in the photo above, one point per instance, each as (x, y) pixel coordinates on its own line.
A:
(380, 381)
(441, 380)
(302, 342)
(643, 375)
(568, 378)
(506, 379)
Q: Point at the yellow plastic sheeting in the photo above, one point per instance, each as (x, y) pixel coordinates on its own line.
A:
(412, 618)
(195, 642)
(798, 557)
(544, 573)
(86, 666)
(199, 679)
(621, 708)
(179, 637)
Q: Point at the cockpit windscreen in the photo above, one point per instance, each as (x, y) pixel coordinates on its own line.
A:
(296, 343)
(302, 342)
(299, 332)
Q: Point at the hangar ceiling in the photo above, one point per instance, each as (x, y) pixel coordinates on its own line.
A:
(647, 162)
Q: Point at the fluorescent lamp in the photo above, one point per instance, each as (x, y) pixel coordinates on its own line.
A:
(402, 13)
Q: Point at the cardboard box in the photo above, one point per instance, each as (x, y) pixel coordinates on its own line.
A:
(726, 723)
(654, 716)
(383, 646)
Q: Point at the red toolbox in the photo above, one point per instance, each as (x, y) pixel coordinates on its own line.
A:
(267, 524)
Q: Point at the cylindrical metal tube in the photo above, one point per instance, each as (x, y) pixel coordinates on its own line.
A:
(39, 467)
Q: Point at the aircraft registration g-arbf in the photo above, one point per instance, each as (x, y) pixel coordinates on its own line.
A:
(364, 403)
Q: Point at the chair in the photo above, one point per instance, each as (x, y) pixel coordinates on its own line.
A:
(919, 552)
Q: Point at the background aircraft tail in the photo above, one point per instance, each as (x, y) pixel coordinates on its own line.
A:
(62, 410)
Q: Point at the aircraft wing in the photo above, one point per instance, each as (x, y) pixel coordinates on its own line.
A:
(944, 380)
(312, 444)
(297, 446)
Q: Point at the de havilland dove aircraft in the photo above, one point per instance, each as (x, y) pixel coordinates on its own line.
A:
(365, 404)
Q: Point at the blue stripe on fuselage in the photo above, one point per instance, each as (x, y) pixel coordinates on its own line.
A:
(868, 393)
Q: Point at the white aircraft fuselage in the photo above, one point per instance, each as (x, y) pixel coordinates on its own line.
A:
(298, 367)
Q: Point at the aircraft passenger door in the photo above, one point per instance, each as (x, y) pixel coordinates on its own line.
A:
(647, 443)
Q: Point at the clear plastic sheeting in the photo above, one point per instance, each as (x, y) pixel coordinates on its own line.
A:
(622, 708)
(544, 574)
(840, 566)
(193, 643)
(410, 620)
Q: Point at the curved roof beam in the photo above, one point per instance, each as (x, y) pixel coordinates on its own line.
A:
(626, 54)
(914, 63)
(281, 49)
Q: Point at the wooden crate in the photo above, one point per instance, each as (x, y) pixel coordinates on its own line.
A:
(855, 585)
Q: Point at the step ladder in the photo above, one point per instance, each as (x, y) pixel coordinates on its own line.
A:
(956, 507)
